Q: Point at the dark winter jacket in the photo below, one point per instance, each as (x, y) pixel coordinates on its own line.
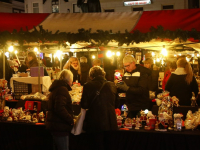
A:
(33, 63)
(101, 114)
(177, 86)
(153, 80)
(60, 113)
(84, 73)
(137, 95)
(76, 76)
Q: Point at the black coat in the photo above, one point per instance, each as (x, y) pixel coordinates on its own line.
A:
(137, 95)
(76, 76)
(101, 115)
(84, 73)
(60, 113)
(177, 86)
(153, 80)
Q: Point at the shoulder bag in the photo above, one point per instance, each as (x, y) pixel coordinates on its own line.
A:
(77, 128)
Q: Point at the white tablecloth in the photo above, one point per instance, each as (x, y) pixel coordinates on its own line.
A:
(45, 81)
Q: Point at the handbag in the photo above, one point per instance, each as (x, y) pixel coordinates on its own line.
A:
(77, 128)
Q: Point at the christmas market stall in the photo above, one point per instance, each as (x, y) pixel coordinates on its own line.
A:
(160, 35)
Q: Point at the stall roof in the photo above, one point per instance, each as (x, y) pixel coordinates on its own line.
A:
(185, 19)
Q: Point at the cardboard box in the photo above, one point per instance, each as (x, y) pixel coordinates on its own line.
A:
(34, 72)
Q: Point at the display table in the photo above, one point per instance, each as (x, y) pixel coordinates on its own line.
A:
(25, 136)
(44, 81)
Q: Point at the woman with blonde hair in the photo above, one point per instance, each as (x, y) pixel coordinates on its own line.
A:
(182, 83)
(74, 66)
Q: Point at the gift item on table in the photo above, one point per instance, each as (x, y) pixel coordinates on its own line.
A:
(119, 121)
(192, 120)
(178, 122)
(193, 100)
(137, 124)
(143, 116)
(117, 112)
(124, 108)
(41, 116)
(76, 93)
(152, 94)
(36, 96)
(128, 123)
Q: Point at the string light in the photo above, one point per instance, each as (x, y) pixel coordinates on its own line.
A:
(164, 51)
(93, 57)
(11, 48)
(109, 54)
(118, 54)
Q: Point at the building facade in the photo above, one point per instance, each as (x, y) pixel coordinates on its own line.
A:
(70, 6)
(12, 6)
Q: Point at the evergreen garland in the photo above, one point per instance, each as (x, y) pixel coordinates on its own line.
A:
(99, 38)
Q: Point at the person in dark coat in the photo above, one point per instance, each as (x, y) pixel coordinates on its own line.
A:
(135, 84)
(74, 66)
(182, 83)
(101, 113)
(33, 62)
(109, 68)
(24, 66)
(60, 114)
(84, 70)
(172, 68)
(48, 62)
(8, 70)
(56, 64)
(153, 77)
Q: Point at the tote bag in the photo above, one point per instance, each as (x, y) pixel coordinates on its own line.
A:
(77, 128)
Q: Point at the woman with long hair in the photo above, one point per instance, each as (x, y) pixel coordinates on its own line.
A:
(32, 59)
(182, 83)
(74, 66)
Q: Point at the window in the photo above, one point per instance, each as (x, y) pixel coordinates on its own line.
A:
(76, 9)
(55, 6)
(138, 9)
(35, 7)
(109, 10)
(168, 7)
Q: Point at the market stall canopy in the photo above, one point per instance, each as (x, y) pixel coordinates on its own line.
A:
(185, 20)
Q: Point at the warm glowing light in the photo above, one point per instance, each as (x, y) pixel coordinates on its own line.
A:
(118, 54)
(93, 57)
(164, 51)
(58, 54)
(113, 53)
(175, 55)
(109, 54)
(7, 54)
(197, 55)
(146, 111)
(154, 61)
(153, 54)
(36, 49)
(179, 54)
(188, 59)
(11, 48)
(16, 52)
(162, 62)
(192, 55)
(158, 60)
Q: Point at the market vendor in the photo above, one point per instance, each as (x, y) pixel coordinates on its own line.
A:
(135, 84)
(74, 66)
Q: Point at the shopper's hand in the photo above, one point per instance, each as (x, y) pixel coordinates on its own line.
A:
(122, 86)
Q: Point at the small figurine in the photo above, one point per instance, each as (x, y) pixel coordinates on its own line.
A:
(137, 124)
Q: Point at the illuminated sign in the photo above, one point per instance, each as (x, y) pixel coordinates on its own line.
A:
(140, 2)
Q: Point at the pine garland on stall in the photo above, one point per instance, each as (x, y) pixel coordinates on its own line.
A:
(98, 38)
